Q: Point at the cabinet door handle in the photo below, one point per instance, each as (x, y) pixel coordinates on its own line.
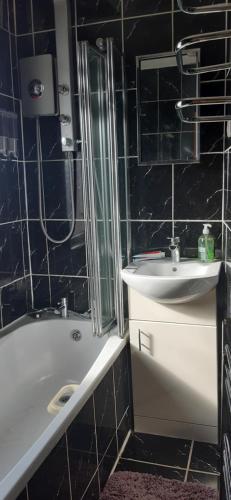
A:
(140, 332)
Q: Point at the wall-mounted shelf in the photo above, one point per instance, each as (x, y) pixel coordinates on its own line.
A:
(182, 106)
(193, 40)
(204, 9)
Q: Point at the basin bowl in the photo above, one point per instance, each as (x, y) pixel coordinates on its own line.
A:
(170, 283)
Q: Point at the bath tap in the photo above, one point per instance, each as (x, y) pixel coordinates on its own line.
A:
(63, 307)
(175, 249)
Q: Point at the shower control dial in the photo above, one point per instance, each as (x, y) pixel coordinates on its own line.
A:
(36, 89)
(66, 141)
(65, 119)
(63, 89)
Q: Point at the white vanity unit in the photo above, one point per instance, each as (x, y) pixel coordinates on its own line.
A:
(174, 365)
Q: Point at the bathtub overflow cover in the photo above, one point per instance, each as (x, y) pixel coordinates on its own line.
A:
(76, 335)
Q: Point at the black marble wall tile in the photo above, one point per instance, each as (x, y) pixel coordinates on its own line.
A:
(12, 24)
(97, 10)
(136, 8)
(38, 249)
(24, 46)
(132, 122)
(122, 384)
(5, 68)
(150, 191)
(206, 457)
(23, 16)
(22, 191)
(29, 132)
(148, 35)
(156, 449)
(57, 189)
(43, 14)
(51, 138)
(82, 450)
(105, 412)
(122, 174)
(15, 300)
(124, 427)
(198, 189)
(11, 253)
(47, 485)
(9, 191)
(67, 258)
(75, 289)
(14, 63)
(120, 124)
(92, 492)
(107, 463)
(45, 43)
(56, 175)
(25, 243)
(150, 235)
(211, 137)
(4, 8)
(41, 291)
(32, 189)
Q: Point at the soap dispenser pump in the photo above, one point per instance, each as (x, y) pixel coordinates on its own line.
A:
(206, 245)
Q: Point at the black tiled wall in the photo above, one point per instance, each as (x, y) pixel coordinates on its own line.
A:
(57, 269)
(79, 466)
(173, 198)
(15, 289)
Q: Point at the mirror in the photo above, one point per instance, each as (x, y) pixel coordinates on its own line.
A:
(162, 137)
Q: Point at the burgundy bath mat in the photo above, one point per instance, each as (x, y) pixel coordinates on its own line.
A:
(135, 486)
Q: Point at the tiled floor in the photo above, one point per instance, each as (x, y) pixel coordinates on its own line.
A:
(172, 458)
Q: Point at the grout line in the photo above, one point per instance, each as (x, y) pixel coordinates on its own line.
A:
(217, 474)
(189, 461)
(89, 484)
(14, 281)
(121, 420)
(170, 220)
(154, 463)
(121, 451)
(60, 276)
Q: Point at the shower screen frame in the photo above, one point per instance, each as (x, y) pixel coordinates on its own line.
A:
(100, 185)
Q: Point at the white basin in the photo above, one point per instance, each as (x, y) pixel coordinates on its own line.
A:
(171, 283)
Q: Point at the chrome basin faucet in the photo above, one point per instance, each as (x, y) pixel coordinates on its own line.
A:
(174, 247)
(63, 307)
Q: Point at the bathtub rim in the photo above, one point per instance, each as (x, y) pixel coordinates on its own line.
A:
(16, 479)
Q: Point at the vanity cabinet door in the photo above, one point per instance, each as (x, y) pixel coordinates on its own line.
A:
(174, 372)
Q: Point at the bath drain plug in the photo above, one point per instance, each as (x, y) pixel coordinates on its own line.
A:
(76, 335)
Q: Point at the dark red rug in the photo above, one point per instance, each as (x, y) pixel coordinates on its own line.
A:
(135, 486)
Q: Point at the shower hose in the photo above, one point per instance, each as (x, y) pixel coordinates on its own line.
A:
(41, 189)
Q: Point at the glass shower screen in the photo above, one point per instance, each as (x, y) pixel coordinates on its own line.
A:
(100, 184)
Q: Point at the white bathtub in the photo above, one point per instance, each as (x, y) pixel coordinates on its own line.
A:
(38, 358)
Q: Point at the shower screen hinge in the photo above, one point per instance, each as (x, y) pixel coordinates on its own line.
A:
(65, 74)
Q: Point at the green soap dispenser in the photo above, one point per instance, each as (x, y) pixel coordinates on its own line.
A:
(206, 245)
